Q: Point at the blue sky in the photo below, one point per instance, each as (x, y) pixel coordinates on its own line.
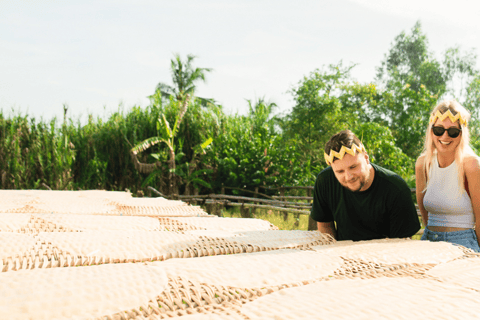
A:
(96, 55)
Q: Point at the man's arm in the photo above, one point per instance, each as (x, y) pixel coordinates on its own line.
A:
(327, 227)
(404, 220)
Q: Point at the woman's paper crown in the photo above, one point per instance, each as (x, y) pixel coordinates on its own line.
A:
(449, 114)
(352, 151)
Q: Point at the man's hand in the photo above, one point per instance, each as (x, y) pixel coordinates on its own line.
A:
(327, 227)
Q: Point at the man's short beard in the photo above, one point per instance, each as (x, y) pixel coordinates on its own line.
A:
(363, 181)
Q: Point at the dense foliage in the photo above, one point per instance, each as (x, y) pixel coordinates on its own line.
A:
(190, 145)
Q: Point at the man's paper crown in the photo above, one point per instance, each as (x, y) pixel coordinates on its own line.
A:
(352, 151)
(449, 114)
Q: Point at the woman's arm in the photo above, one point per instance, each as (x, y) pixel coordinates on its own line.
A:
(420, 184)
(471, 166)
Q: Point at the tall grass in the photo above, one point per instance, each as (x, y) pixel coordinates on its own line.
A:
(34, 154)
(70, 156)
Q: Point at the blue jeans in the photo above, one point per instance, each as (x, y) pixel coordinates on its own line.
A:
(466, 238)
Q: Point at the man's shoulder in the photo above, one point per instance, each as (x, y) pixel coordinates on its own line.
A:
(326, 179)
(389, 177)
(325, 174)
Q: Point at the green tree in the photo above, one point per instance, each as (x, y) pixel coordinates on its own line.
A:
(318, 112)
(472, 103)
(410, 62)
(381, 147)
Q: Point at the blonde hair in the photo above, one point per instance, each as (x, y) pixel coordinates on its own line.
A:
(463, 147)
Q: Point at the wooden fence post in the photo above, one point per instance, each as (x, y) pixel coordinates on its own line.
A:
(312, 224)
(282, 195)
(244, 211)
(253, 209)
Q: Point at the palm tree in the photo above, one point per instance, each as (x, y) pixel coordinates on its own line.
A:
(184, 77)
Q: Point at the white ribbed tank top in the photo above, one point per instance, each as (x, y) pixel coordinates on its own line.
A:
(447, 204)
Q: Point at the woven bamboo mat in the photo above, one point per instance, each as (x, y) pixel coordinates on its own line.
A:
(14, 221)
(393, 251)
(382, 298)
(251, 270)
(230, 268)
(214, 223)
(93, 202)
(14, 244)
(219, 286)
(186, 296)
(57, 222)
(62, 249)
(461, 272)
(79, 293)
(90, 194)
(148, 202)
(80, 222)
(101, 207)
(159, 211)
(274, 239)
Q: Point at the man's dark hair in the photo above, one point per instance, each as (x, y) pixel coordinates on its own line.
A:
(344, 138)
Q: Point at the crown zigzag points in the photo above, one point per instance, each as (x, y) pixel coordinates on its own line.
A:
(351, 151)
(449, 114)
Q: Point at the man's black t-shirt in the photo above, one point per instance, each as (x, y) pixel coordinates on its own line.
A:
(385, 210)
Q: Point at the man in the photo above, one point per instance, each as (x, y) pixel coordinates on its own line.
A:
(356, 200)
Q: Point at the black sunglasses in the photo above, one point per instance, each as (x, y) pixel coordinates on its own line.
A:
(452, 132)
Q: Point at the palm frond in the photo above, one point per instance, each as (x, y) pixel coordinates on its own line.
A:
(201, 182)
(166, 127)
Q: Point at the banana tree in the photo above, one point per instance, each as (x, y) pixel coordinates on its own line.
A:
(189, 172)
(166, 135)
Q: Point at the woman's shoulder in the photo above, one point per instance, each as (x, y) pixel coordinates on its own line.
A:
(419, 164)
(471, 164)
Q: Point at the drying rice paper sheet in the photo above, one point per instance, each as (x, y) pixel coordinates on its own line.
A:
(461, 272)
(395, 251)
(78, 293)
(10, 222)
(253, 270)
(149, 202)
(224, 224)
(121, 245)
(76, 206)
(15, 244)
(213, 316)
(99, 222)
(161, 211)
(382, 298)
(274, 239)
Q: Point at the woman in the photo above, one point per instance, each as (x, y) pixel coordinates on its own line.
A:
(448, 179)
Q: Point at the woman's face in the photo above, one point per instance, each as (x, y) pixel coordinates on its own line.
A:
(445, 143)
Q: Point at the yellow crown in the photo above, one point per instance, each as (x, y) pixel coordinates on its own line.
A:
(352, 151)
(449, 114)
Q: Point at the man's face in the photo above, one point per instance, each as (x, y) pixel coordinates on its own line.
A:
(353, 172)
